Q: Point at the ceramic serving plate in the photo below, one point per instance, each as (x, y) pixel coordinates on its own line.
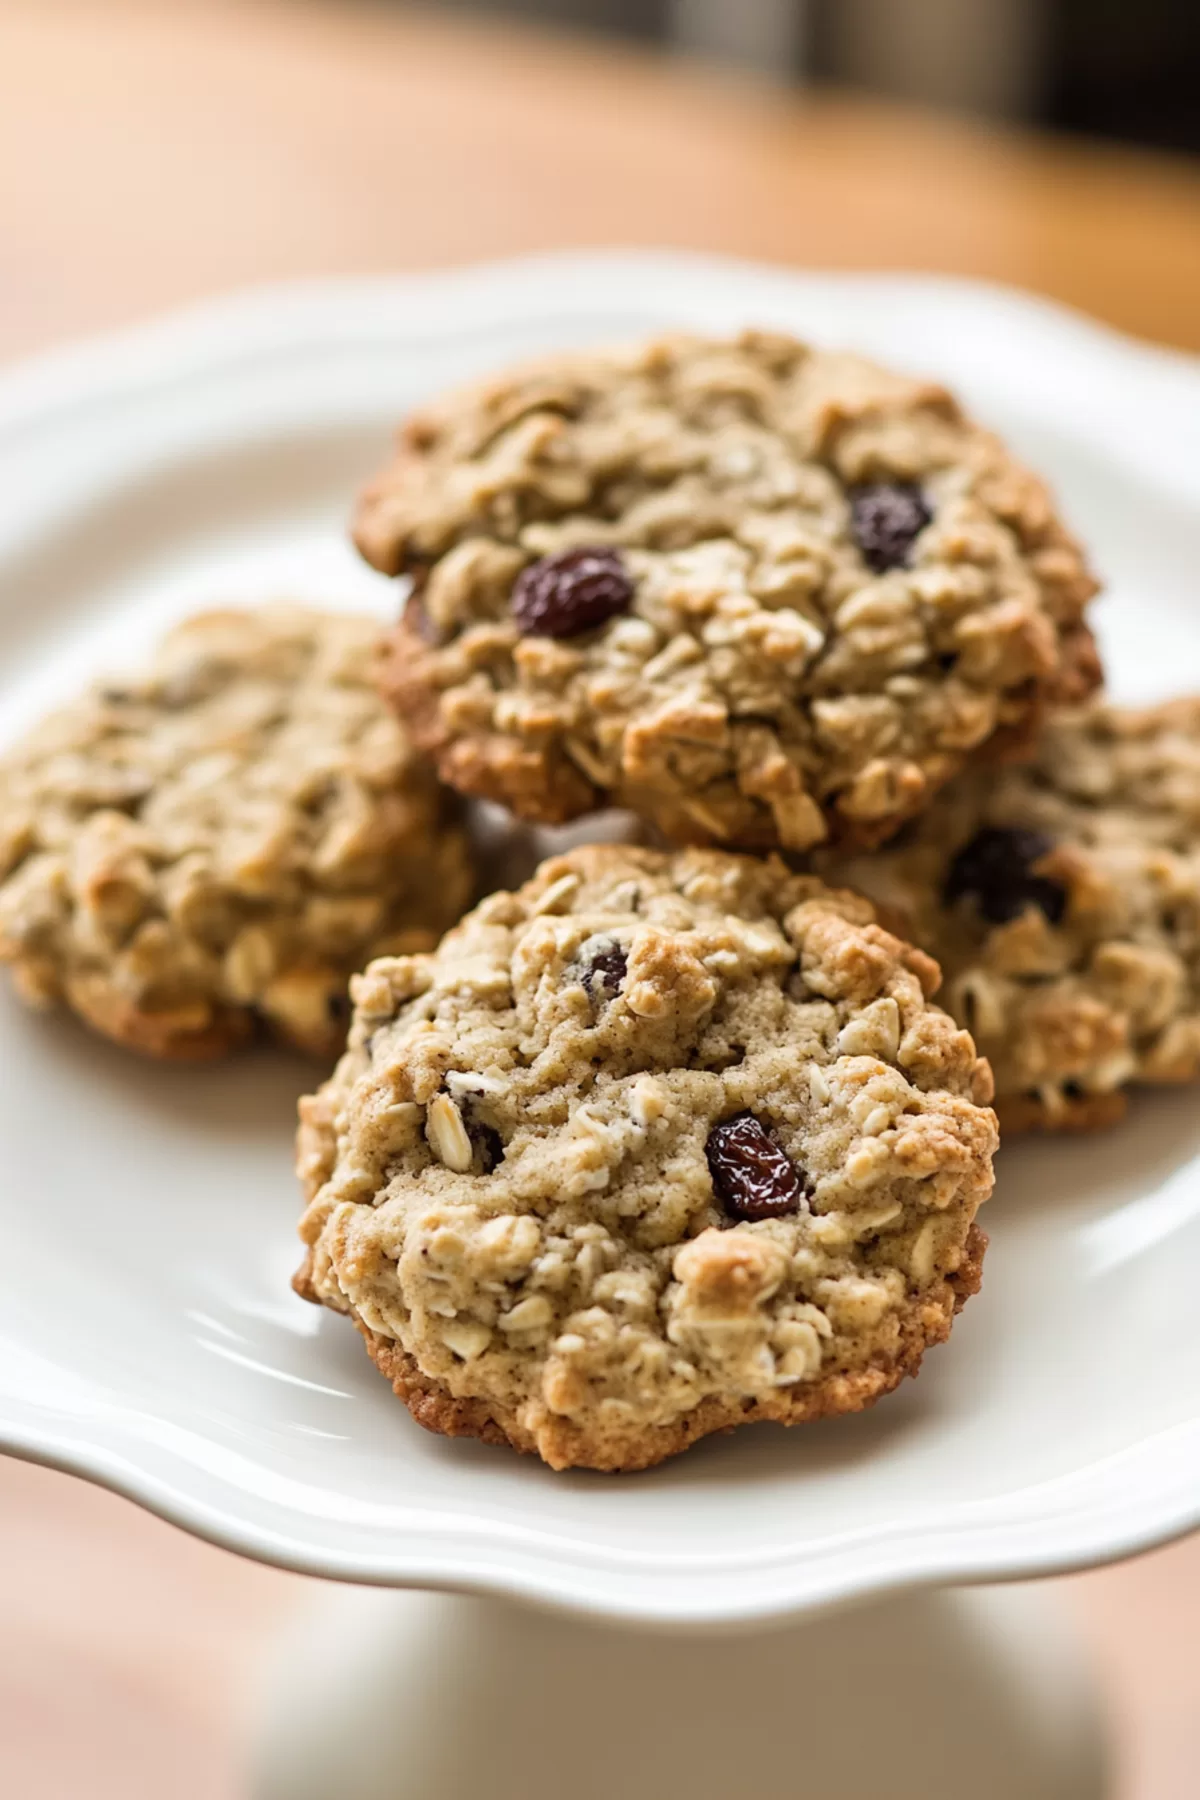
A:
(148, 1338)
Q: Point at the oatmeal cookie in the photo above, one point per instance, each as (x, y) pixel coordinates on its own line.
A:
(765, 595)
(657, 1145)
(1063, 902)
(224, 840)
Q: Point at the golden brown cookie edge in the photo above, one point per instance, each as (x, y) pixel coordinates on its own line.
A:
(563, 1445)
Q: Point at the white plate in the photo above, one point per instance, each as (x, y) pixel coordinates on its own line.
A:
(148, 1339)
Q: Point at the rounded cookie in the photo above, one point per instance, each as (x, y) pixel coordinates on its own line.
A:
(1063, 903)
(657, 1145)
(764, 595)
(224, 839)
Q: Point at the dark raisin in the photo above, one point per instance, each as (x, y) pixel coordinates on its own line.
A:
(337, 1007)
(996, 870)
(486, 1142)
(753, 1177)
(885, 518)
(116, 696)
(574, 591)
(603, 968)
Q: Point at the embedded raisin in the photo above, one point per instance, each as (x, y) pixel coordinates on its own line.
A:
(996, 870)
(754, 1178)
(885, 518)
(574, 591)
(486, 1142)
(602, 969)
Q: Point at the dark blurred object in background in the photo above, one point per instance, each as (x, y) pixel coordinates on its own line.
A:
(627, 18)
(1113, 68)
(1126, 69)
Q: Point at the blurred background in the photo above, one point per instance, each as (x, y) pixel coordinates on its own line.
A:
(1100, 66)
(156, 151)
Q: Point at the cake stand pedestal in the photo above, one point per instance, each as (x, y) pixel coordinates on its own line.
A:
(939, 1695)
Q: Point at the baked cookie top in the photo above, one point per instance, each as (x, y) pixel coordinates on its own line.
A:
(1063, 902)
(656, 1145)
(763, 594)
(224, 839)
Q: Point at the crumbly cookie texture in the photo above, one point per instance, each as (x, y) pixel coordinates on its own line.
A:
(1063, 902)
(657, 1145)
(762, 594)
(224, 839)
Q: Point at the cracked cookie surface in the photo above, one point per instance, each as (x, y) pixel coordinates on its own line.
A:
(656, 1145)
(765, 595)
(224, 839)
(1062, 900)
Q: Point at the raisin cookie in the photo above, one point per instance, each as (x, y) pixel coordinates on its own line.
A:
(1063, 902)
(657, 1145)
(762, 594)
(224, 840)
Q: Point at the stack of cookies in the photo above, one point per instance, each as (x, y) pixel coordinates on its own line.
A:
(677, 1136)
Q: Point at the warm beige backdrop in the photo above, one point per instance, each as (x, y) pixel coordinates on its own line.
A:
(152, 152)
(154, 149)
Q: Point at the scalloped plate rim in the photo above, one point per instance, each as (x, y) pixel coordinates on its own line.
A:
(1157, 1495)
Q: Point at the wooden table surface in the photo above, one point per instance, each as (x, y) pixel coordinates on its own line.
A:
(151, 153)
